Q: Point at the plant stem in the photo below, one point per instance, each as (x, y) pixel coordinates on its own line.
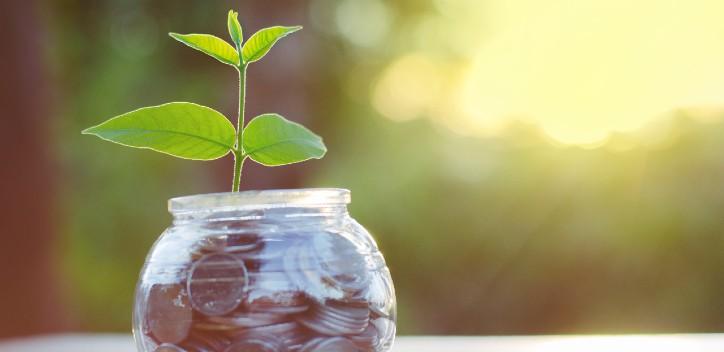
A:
(239, 156)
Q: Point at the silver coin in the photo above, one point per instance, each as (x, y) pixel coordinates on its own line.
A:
(336, 344)
(333, 344)
(217, 283)
(368, 340)
(268, 250)
(274, 329)
(351, 313)
(353, 309)
(381, 294)
(206, 341)
(248, 319)
(167, 347)
(169, 314)
(279, 308)
(296, 339)
(242, 242)
(330, 267)
(343, 320)
(274, 293)
(283, 303)
(208, 245)
(342, 261)
(233, 243)
(257, 343)
(311, 344)
(197, 346)
(320, 326)
(213, 326)
(329, 319)
(305, 271)
(288, 332)
(386, 329)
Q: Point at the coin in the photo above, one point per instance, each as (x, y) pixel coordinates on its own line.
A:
(286, 292)
(169, 314)
(257, 343)
(368, 340)
(274, 329)
(167, 347)
(305, 272)
(273, 292)
(291, 333)
(311, 344)
(278, 303)
(336, 318)
(386, 329)
(330, 267)
(198, 346)
(208, 244)
(342, 261)
(206, 341)
(229, 243)
(217, 283)
(334, 344)
(288, 332)
(207, 326)
(380, 294)
(242, 242)
(268, 250)
(247, 319)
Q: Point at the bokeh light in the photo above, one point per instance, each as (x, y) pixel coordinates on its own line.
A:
(580, 70)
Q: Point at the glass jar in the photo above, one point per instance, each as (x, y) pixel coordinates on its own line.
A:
(271, 271)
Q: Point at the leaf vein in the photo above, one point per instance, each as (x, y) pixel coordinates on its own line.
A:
(143, 131)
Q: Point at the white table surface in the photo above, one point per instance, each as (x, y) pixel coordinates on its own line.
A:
(625, 343)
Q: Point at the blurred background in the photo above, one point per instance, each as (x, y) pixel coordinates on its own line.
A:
(526, 166)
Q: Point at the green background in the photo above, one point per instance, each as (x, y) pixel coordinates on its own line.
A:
(508, 234)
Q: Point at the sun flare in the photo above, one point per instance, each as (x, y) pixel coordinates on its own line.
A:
(578, 69)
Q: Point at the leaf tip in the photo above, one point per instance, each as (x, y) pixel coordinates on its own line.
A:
(323, 149)
(235, 30)
(293, 29)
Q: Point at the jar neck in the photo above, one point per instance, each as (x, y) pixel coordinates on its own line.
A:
(272, 206)
(262, 215)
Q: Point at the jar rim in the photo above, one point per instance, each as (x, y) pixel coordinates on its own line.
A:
(260, 199)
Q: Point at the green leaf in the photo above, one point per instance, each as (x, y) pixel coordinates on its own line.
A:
(237, 35)
(272, 140)
(184, 130)
(210, 45)
(259, 44)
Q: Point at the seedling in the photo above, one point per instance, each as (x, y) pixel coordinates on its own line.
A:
(191, 131)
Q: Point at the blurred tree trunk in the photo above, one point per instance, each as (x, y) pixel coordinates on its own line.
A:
(29, 299)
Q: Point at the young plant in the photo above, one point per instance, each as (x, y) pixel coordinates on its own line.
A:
(192, 131)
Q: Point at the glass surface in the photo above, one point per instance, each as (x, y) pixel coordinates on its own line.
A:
(272, 271)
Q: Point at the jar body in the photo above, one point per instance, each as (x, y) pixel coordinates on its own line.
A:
(272, 271)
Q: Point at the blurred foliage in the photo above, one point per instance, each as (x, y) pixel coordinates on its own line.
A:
(504, 234)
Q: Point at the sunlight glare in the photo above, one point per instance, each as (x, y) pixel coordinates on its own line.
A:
(578, 69)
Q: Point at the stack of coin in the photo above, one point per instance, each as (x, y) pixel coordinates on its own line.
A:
(276, 292)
